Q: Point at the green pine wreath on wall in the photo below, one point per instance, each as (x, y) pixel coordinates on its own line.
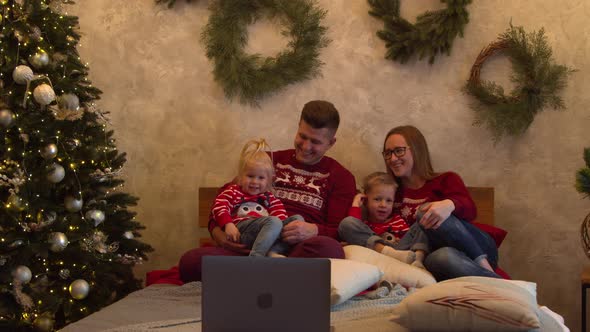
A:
(251, 77)
(537, 79)
(433, 33)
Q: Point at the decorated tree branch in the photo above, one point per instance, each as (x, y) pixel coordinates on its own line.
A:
(433, 33)
(538, 81)
(68, 241)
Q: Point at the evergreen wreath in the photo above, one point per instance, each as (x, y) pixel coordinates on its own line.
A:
(251, 76)
(537, 81)
(432, 34)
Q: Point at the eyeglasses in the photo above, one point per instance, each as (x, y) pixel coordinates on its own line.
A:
(399, 152)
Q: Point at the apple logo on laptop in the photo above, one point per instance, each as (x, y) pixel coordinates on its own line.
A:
(264, 300)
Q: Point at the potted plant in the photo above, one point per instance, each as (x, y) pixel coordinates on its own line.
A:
(583, 186)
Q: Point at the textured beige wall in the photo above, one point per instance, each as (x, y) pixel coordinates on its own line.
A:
(180, 132)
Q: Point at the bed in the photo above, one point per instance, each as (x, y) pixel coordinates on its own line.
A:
(166, 307)
(177, 308)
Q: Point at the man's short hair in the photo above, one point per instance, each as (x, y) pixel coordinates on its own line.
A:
(320, 114)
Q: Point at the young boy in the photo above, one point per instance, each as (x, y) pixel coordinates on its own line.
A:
(381, 230)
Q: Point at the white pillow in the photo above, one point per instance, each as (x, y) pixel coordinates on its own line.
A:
(350, 278)
(469, 304)
(393, 270)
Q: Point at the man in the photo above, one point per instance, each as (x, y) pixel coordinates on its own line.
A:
(309, 184)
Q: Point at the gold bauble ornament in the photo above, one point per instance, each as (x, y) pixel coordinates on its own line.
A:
(79, 289)
(58, 241)
(6, 118)
(49, 151)
(39, 59)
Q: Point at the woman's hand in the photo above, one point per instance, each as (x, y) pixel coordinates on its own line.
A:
(435, 213)
(358, 200)
(221, 238)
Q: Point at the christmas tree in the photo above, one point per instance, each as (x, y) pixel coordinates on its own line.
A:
(67, 239)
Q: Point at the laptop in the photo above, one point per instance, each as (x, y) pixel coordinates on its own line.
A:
(265, 294)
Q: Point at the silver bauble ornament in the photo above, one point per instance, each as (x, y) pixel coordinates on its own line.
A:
(43, 324)
(128, 235)
(22, 74)
(79, 289)
(22, 273)
(39, 59)
(58, 241)
(44, 94)
(64, 274)
(73, 204)
(69, 101)
(49, 151)
(56, 173)
(6, 118)
(96, 216)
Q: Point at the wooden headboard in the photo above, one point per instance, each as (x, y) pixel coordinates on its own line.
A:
(483, 197)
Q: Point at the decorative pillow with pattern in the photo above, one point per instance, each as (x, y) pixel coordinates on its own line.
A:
(469, 304)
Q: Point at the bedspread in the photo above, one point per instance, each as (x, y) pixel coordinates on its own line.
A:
(167, 308)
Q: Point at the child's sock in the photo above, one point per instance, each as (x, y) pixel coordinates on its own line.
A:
(406, 256)
(275, 255)
(419, 262)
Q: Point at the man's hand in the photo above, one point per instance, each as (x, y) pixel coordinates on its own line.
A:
(358, 200)
(297, 231)
(232, 233)
(221, 238)
(436, 213)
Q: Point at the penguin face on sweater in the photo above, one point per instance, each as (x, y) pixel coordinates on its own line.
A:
(251, 209)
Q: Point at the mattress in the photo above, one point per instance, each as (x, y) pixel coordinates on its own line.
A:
(167, 308)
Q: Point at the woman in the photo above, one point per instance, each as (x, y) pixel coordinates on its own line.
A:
(443, 207)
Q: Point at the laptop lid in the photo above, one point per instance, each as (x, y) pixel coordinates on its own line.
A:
(265, 294)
